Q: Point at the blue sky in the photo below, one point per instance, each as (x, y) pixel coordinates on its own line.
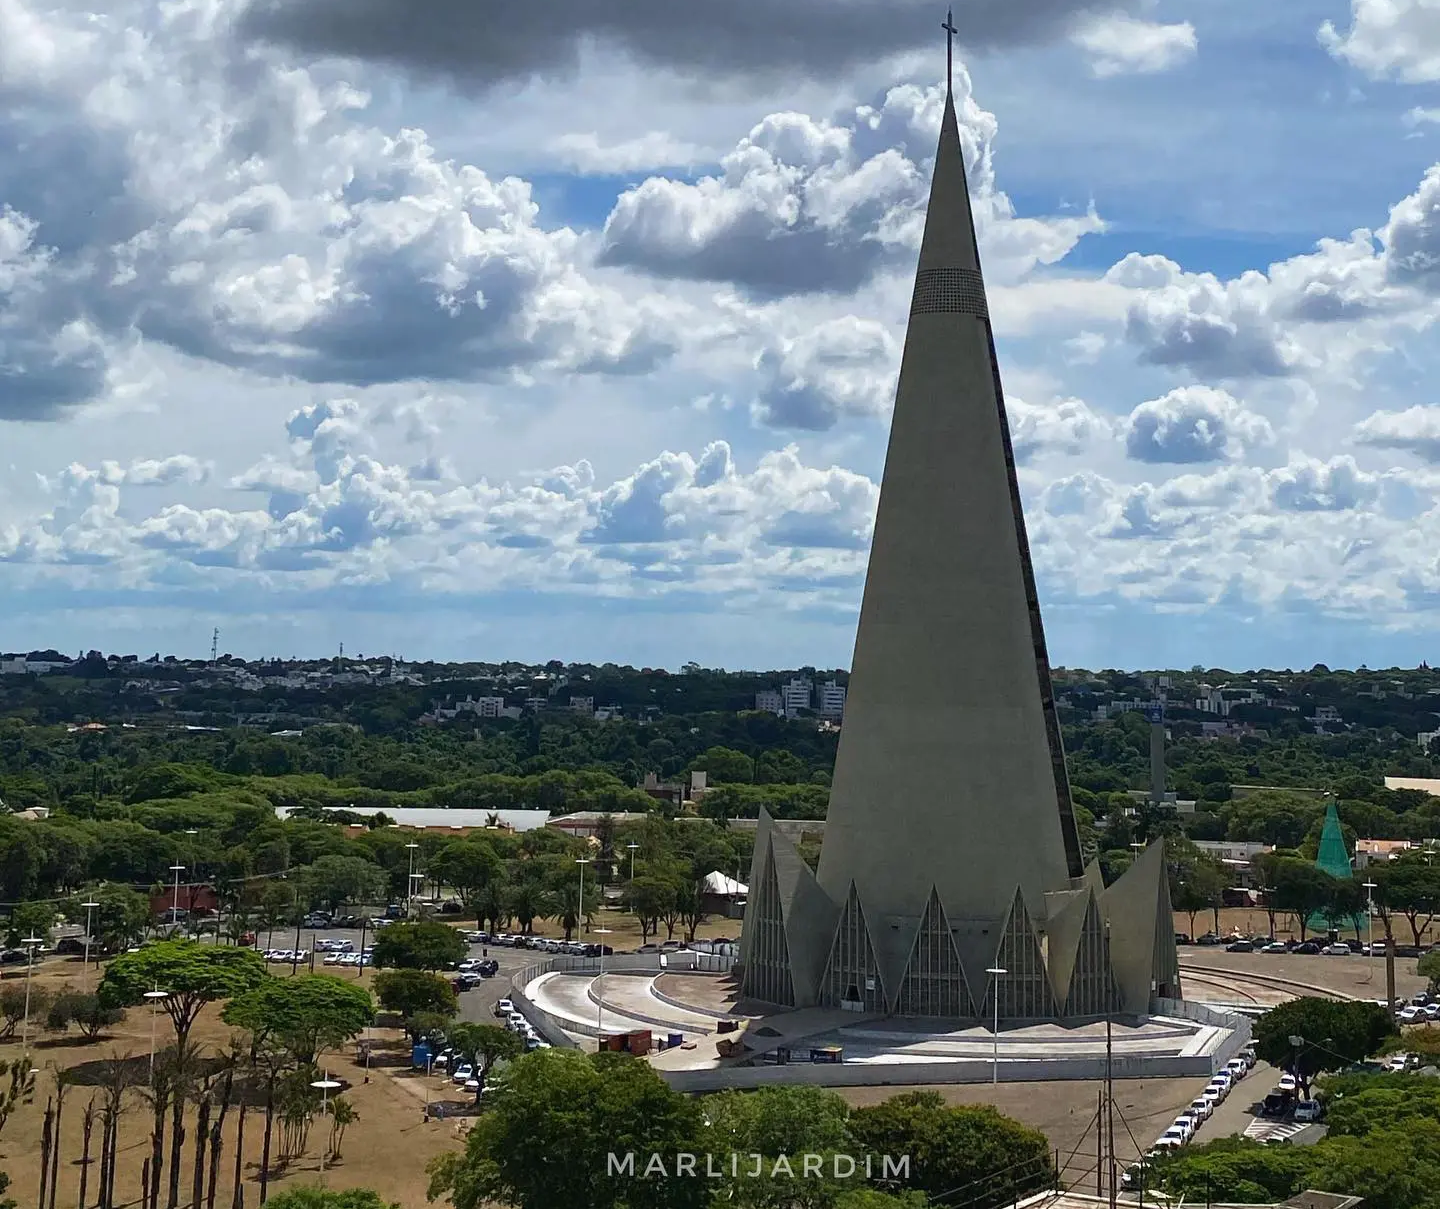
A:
(321, 323)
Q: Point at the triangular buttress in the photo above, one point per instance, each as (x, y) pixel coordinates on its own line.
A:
(852, 975)
(1024, 989)
(934, 983)
(767, 959)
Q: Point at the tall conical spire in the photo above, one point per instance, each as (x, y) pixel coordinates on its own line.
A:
(950, 770)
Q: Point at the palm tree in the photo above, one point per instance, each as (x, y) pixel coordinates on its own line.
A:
(528, 902)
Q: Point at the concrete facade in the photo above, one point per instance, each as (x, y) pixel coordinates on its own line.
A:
(950, 843)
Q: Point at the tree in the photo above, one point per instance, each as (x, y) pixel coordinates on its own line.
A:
(1301, 889)
(649, 898)
(1413, 891)
(964, 1154)
(471, 867)
(192, 975)
(584, 1107)
(414, 994)
(83, 1009)
(30, 919)
(332, 881)
(423, 945)
(324, 1198)
(1429, 967)
(1331, 1034)
(13, 1004)
(119, 917)
(528, 902)
(482, 1045)
(306, 1015)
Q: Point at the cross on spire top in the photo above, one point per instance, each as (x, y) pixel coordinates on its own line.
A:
(950, 32)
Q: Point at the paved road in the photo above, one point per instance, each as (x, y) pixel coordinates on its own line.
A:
(1241, 1105)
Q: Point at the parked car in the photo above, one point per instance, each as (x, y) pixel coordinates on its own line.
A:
(1275, 946)
(1306, 948)
(1309, 1110)
(1288, 1082)
(1338, 949)
(1201, 1107)
(1240, 946)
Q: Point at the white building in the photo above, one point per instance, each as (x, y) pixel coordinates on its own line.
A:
(797, 695)
(583, 705)
(1427, 737)
(830, 697)
(770, 701)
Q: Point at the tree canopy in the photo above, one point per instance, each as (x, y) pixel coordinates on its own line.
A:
(305, 1015)
(1307, 1036)
(422, 945)
(191, 974)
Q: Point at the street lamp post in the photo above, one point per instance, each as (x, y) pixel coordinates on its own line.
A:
(31, 943)
(85, 964)
(600, 987)
(190, 911)
(410, 881)
(154, 997)
(582, 861)
(175, 908)
(325, 1086)
(1370, 888)
(996, 973)
(632, 846)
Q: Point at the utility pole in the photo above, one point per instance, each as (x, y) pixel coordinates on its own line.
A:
(215, 646)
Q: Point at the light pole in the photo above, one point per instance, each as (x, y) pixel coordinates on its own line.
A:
(600, 987)
(175, 910)
(582, 861)
(190, 911)
(632, 846)
(85, 966)
(324, 1085)
(1370, 888)
(31, 943)
(996, 974)
(410, 881)
(154, 997)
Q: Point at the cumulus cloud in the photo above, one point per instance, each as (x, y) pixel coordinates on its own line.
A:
(584, 153)
(1415, 430)
(844, 367)
(1117, 44)
(807, 205)
(1399, 39)
(1065, 426)
(52, 353)
(1336, 485)
(1194, 424)
(509, 40)
(244, 212)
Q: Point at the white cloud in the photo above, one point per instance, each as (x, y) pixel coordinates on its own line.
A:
(845, 367)
(1419, 116)
(1064, 426)
(1117, 44)
(1395, 38)
(1194, 424)
(1415, 430)
(653, 150)
(806, 205)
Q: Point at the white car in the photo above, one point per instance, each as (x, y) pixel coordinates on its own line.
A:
(1308, 1110)
(1213, 1098)
(1288, 1083)
(1250, 1056)
(1398, 1062)
(1201, 1108)
(1186, 1125)
(463, 1073)
(504, 1008)
(1336, 950)
(1237, 1068)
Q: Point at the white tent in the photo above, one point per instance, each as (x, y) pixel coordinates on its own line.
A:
(723, 887)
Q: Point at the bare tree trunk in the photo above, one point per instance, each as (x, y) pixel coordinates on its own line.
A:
(87, 1124)
(265, 1149)
(157, 1144)
(177, 1142)
(202, 1139)
(217, 1136)
(114, 1157)
(237, 1198)
(60, 1090)
(105, 1121)
(144, 1180)
(47, 1140)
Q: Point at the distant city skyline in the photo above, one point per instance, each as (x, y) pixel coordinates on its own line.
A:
(322, 333)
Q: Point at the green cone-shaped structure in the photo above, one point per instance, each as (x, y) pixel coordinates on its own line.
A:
(1334, 859)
